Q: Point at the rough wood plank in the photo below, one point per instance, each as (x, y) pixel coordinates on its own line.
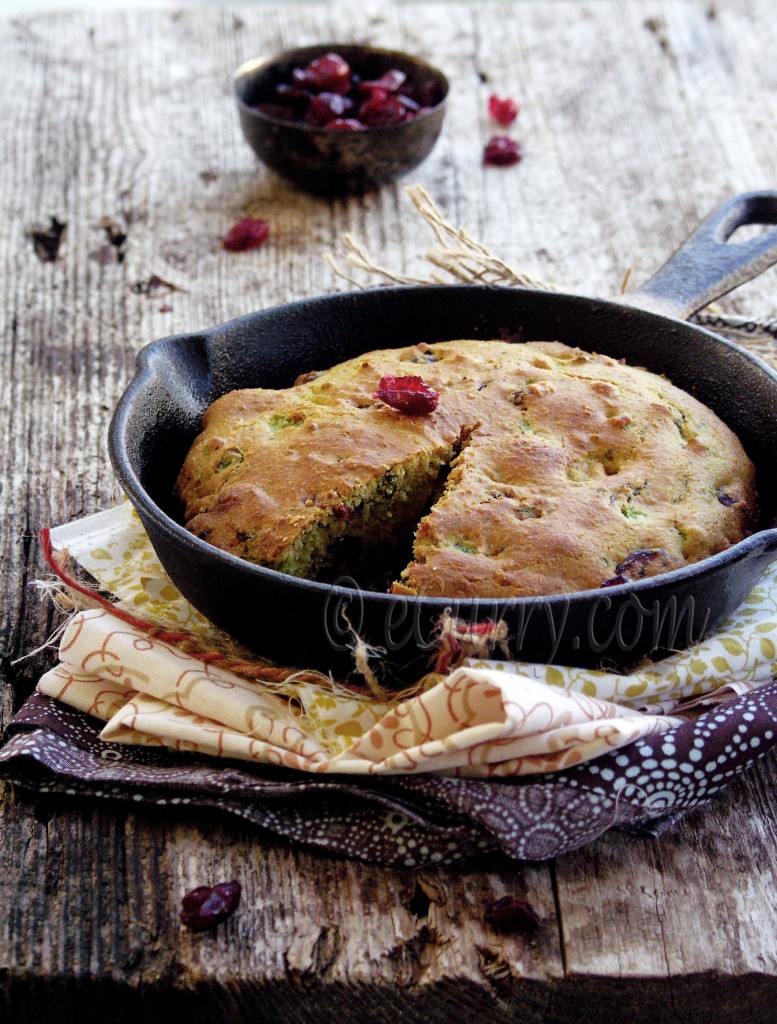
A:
(651, 889)
(638, 117)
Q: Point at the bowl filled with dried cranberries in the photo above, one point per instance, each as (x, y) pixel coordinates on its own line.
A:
(340, 119)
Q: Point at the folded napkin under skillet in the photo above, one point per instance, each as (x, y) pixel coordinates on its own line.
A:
(580, 748)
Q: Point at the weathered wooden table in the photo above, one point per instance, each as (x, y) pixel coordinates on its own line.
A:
(639, 116)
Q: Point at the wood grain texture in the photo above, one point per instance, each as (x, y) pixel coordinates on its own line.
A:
(639, 116)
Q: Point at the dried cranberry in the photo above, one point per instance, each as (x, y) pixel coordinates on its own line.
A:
(509, 914)
(343, 512)
(293, 96)
(407, 394)
(289, 93)
(249, 233)
(614, 581)
(411, 115)
(636, 565)
(503, 111)
(727, 499)
(377, 95)
(279, 111)
(346, 124)
(381, 109)
(386, 100)
(326, 107)
(389, 81)
(502, 151)
(426, 93)
(329, 73)
(209, 905)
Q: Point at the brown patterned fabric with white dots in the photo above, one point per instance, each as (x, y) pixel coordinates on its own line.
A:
(411, 821)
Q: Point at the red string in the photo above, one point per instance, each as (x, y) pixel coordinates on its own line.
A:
(171, 637)
(54, 565)
(266, 672)
(245, 668)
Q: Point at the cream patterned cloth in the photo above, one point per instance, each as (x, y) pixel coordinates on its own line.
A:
(484, 719)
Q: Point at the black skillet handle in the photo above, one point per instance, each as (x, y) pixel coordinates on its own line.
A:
(707, 266)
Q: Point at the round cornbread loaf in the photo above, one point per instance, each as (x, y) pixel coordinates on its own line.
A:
(544, 469)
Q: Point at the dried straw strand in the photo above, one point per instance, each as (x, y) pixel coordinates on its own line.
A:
(464, 259)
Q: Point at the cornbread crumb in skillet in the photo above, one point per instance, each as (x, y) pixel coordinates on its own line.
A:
(543, 470)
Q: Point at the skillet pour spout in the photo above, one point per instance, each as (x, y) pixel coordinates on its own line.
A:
(313, 624)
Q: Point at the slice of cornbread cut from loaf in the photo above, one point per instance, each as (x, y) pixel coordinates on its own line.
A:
(283, 478)
(544, 469)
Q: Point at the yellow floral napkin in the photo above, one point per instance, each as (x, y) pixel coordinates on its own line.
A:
(484, 719)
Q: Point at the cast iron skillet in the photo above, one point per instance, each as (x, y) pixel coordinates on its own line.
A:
(304, 623)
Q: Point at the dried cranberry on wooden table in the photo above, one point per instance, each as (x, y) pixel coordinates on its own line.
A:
(249, 233)
(327, 93)
(503, 110)
(509, 914)
(502, 151)
(208, 905)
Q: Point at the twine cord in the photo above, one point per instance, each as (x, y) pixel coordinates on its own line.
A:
(467, 261)
(72, 595)
(79, 596)
(455, 642)
(458, 640)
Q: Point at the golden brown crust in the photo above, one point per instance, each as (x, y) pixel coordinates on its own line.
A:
(571, 463)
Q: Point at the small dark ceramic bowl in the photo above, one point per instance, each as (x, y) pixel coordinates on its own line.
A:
(327, 162)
